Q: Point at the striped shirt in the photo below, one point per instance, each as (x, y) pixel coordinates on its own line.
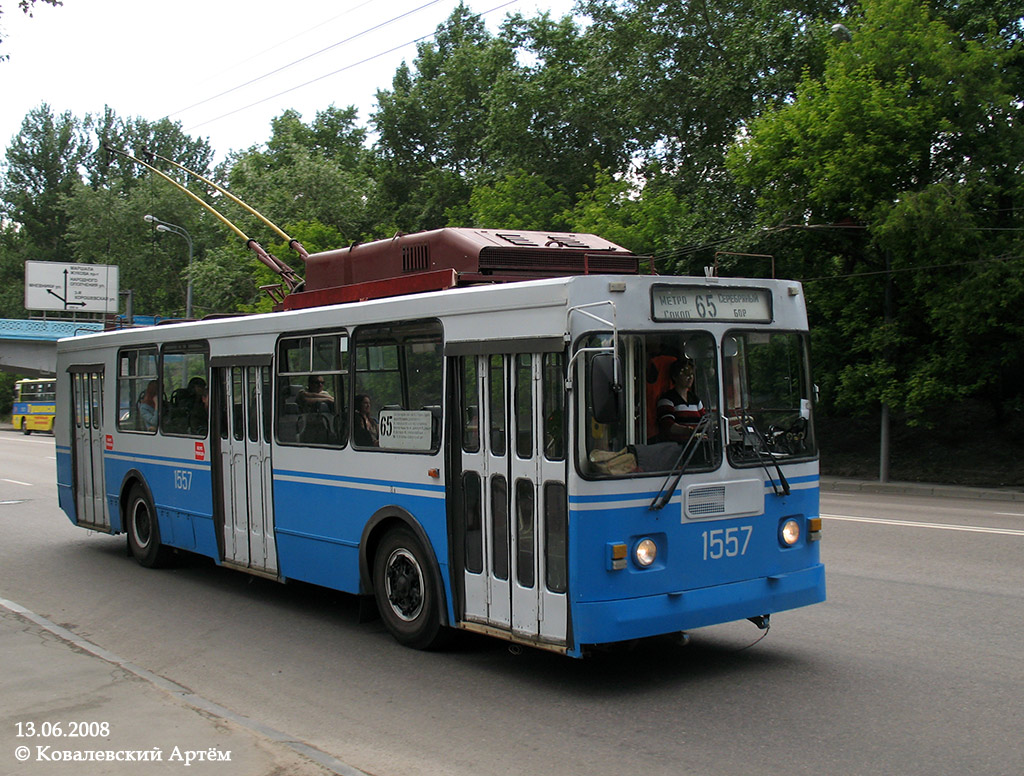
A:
(673, 408)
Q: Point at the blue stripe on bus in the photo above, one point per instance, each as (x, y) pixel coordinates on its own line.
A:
(342, 479)
(612, 497)
(158, 459)
(793, 481)
(609, 497)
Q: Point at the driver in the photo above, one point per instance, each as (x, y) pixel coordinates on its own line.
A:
(679, 408)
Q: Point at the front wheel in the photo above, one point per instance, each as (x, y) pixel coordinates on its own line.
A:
(406, 591)
(144, 530)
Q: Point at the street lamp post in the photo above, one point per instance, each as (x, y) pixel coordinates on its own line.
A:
(164, 226)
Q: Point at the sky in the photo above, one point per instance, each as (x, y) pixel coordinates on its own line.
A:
(223, 69)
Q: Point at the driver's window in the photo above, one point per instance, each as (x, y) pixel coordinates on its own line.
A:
(671, 384)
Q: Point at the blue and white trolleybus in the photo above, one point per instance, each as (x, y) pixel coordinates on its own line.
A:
(562, 461)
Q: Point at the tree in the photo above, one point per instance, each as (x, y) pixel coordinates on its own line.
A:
(136, 136)
(912, 134)
(432, 122)
(518, 201)
(685, 76)
(650, 220)
(314, 174)
(552, 112)
(43, 166)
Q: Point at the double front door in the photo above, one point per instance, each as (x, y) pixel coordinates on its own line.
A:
(512, 498)
(242, 420)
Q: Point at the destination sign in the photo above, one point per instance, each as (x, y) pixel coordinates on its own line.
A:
(405, 429)
(703, 303)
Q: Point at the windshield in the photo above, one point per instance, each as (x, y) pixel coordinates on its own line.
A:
(767, 396)
(669, 403)
(669, 406)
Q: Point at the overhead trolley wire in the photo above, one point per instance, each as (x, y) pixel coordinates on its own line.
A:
(296, 36)
(335, 72)
(300, 60)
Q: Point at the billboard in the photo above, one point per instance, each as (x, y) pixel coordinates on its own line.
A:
(86, 288)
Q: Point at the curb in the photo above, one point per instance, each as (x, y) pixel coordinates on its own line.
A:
(847, 485)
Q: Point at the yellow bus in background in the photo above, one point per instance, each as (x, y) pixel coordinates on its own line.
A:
(34, 404)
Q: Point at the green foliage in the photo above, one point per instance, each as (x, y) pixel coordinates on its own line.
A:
(42, 167)
(911, 135)
(685, 76)
(648, 220)
(228, 281)
(518, 201)
(884, 170)
(316, 173)
(552, 111)
(7, 381)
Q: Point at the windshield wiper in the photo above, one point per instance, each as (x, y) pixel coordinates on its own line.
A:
(664, 494)
(751, 430)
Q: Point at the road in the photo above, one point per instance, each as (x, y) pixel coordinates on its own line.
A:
(911, 667)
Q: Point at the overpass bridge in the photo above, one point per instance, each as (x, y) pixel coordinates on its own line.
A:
(29, 347)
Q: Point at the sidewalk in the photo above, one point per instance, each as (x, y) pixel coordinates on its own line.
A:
(72, 707)
(849, 485)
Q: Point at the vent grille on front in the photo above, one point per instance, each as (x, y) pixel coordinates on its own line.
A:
(415, 257)
(706, 501)
(557, 261)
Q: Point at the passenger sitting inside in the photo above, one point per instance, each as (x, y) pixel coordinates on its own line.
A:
(315, 398)
(679, 408)
(199, 410)
(148, 407)
(364, 432)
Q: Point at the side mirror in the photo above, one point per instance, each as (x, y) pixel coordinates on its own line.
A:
(605, 392)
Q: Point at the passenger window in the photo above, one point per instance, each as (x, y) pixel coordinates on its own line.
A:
(312, 386)
(398, 378)
(185, 384)
(139, 400)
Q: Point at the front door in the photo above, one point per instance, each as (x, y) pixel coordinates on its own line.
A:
(246, 518)
(89, 441)
(512, 494)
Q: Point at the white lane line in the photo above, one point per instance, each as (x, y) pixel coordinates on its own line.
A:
(16, 482)
(1010, 514)
(940, 526)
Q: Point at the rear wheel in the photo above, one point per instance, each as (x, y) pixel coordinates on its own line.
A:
(405, 589)
(143, 530)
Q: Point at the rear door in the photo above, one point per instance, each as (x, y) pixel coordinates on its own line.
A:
(88, 446)
(244, 475)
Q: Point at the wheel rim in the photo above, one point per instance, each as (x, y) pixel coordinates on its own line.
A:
(403, 582)
(141, 526)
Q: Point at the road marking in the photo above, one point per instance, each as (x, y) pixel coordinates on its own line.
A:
(940, 526)
(16, 482)
(1010, 514)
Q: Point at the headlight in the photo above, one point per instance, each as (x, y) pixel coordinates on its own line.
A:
(646, 552)
(789, 533)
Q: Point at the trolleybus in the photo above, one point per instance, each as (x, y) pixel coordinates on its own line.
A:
(34, 404)
(490, 458)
